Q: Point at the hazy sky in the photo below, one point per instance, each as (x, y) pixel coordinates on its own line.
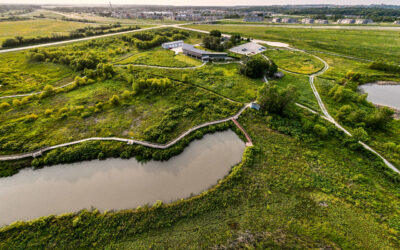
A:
(203, 2)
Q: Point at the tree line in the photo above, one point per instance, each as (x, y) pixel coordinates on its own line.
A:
(79, 33)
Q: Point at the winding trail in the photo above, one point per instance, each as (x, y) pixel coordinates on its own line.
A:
(35, 93)
(325, 112)
(39, 152)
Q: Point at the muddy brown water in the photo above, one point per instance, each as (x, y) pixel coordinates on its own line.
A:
(117, 183)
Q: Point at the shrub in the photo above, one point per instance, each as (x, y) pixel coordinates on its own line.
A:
(274, 100)
(17, 102)
(48, 112)
(114, 100)
(4, 105)
(126, 94)
(185, 78)
(360, 134)
(30, 118)
(320, 130)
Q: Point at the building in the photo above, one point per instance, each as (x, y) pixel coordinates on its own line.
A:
(363, 21)
(307, 20)
(205, 56)
(253, 19)
(276, 20)
(346, 21)
(174, 44)
(290, 20)
(320, 21)
(396, 22)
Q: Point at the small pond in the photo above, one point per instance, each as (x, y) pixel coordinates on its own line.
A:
(387, 95)
(117, 183)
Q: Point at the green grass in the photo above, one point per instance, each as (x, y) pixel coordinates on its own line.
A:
(304, 91)
(369, 44)
(34, 28)
(223, 79)
(295, 61)
(161, 57)
(19, 75)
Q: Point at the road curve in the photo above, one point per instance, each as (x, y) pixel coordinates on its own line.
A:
(39, 152)
(81, 39)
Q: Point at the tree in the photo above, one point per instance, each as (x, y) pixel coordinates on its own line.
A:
(275, 100)
(185, 78)
(215, 33)
(254, 67)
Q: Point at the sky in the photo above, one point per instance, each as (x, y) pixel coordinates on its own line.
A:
(204, 2)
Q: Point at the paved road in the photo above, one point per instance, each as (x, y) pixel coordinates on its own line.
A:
(80, 39)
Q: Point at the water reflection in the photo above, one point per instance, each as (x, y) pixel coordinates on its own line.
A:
(118, 183)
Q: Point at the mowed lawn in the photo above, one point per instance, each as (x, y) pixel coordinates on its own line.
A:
(295, 61)
(369, 44)
(34, 28)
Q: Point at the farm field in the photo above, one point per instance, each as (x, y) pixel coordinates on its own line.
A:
(34, 28)
(368, 44)
(302, 182)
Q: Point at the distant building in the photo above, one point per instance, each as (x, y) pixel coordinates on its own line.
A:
(396, 22)
(346, 21)
(276, 20)
(363, 21)
(307, 20)
(253, 18)
(174, 44)
(320, 21)
(290, 20)
(205, 56)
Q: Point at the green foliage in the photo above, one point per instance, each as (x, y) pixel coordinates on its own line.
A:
(4, 105)
(215, 33)
(255, 67)
(114, 100)
(360, 134)
(387, 67)
(320, 130)
(30, 118)
(275, 100)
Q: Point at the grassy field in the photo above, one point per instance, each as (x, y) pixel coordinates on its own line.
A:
(295, 61)
(223, 79)
(304, 91)
(19, 75)
(34, 28)
(369, 44)
(161, 57)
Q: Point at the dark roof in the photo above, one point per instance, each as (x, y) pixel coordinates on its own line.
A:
(192, 49)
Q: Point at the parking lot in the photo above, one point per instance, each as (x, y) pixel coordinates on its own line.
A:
(248, 49)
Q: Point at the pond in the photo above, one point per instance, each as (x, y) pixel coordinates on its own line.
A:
(387, 95)
(117, 183)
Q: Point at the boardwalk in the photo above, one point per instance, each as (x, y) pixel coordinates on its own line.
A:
(39, 152)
